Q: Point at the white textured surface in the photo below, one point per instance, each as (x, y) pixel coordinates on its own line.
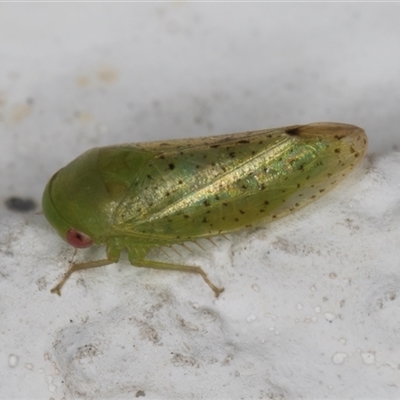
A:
(312, 301)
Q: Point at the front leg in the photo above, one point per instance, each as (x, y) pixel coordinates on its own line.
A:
(79, 267)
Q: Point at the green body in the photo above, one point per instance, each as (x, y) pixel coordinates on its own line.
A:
(139, 196)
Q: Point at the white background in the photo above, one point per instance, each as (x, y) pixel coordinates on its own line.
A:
(311, 303)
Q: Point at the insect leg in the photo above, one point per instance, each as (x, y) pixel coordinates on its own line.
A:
(178, 267)
(78, 267)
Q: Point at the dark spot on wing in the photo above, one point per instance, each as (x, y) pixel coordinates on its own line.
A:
(293, 131)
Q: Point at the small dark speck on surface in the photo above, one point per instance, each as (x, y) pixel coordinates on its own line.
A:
(20, 205)
(140, 393)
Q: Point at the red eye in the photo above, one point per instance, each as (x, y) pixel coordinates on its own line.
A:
(78, 239)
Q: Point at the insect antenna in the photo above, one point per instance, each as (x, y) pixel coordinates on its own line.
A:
(73, 256)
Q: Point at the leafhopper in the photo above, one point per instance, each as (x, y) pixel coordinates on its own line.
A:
(138, 196)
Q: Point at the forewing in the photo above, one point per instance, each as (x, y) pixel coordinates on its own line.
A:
(202, 187)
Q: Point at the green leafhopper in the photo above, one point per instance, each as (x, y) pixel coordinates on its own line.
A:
(135, 197)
